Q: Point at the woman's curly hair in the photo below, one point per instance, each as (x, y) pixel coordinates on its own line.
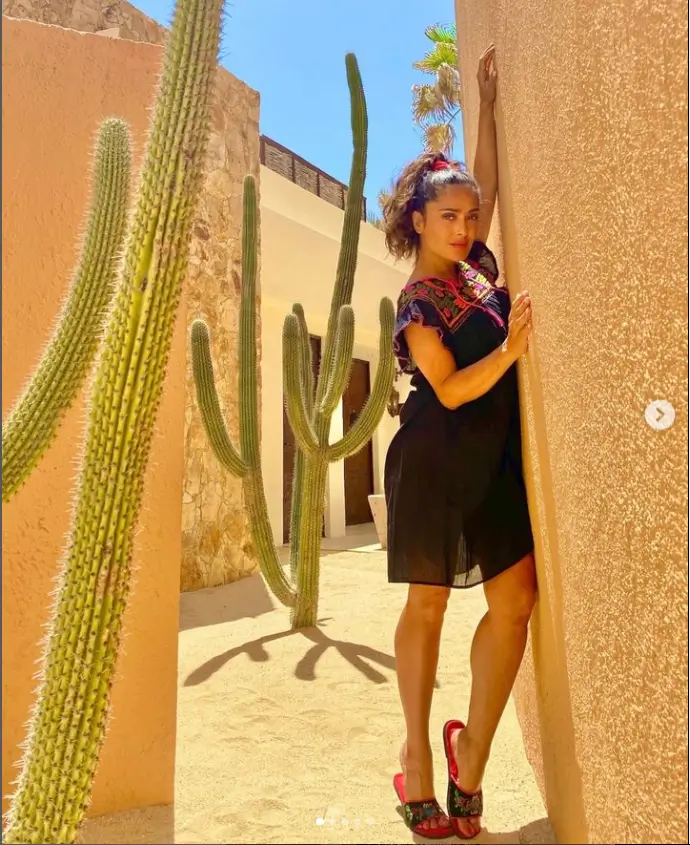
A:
(420, 181)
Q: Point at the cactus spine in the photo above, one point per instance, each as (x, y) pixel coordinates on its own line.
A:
(309, 406)
(69, 721)
(33, 422)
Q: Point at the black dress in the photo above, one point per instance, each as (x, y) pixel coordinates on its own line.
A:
(455, 494)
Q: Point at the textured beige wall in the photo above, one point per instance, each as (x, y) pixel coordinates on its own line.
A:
(216, 542)
(592, 123)
(57, 87)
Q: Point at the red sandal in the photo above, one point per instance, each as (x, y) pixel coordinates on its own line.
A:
(461, 804)
(419, 813)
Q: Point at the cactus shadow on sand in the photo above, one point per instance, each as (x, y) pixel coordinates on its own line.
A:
(359, 655)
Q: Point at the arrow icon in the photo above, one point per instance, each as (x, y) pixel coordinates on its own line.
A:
(660, 414)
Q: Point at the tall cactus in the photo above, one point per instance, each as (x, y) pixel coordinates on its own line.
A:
(69, 721)
(33, 422)
(309, 406)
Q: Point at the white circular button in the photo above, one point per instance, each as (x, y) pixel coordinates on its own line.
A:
(660, 414)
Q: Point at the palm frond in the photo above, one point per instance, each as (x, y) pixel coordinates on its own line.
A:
(448, 85)
(439, 138)
(427, 104)
(442, 54)
(441, 33)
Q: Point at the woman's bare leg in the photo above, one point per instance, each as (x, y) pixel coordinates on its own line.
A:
(417, 639)
(497, 651)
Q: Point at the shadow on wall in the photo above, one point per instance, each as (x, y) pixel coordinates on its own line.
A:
(547, 629)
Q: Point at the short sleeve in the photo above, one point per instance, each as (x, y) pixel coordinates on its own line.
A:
(484, 261)
(413, 309)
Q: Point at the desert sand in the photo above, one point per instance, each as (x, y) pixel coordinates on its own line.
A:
(294, 737)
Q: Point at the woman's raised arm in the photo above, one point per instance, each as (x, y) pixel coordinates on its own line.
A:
(485, 159)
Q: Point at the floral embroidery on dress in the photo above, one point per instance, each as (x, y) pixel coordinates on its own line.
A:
(484, 262)
(452, 301)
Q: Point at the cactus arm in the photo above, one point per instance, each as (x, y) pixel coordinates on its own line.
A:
(293, 385)
(373, 409)
(207, 398)
(247, 467)
(342, 360)
(255, 495)
(296, 511)
(225, 452)
(249, 395)
(307, 372)
(34, 421)
(307, 360)
(69, 721)
(262, 535)
(349, 243)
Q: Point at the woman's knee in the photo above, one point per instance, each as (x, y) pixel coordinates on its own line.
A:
(428, 602)
(513, 594)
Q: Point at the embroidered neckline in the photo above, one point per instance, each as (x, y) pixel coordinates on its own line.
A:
(454, 300)
(469, 276)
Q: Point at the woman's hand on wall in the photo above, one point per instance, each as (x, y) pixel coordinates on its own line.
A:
(487, 75)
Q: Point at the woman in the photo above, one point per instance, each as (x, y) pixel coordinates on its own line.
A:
(457, 507)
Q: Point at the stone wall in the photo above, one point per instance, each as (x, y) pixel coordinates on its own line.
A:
(217, 545)
(113, 18)
(216, 541)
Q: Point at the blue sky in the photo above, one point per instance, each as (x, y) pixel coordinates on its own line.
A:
(293, 54)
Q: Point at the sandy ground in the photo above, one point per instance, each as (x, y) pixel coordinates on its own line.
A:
(294, 737)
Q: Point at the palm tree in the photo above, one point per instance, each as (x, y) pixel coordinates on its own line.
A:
(436, 105)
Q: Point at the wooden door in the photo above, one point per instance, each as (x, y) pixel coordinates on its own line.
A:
(359, 468)
(289, 446)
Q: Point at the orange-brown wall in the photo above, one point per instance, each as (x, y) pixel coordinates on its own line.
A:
(592, 130)
(216, 536)
(57, 86)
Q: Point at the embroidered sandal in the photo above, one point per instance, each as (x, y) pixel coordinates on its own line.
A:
(419, 814)
(461, 804)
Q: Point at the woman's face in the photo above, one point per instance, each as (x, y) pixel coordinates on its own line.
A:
(448, 227)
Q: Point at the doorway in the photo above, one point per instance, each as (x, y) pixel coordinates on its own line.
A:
(358, 468)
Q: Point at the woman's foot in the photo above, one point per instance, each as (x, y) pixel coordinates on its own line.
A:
(419, 773)
(423, 814)
(466, 770)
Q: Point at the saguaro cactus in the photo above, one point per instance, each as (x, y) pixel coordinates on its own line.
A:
(69, 721)
(33, 422)
(310, 407)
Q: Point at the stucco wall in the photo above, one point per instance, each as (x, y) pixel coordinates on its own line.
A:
(216, 541)
(57, 87)
(592, 123)
(300, 242)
